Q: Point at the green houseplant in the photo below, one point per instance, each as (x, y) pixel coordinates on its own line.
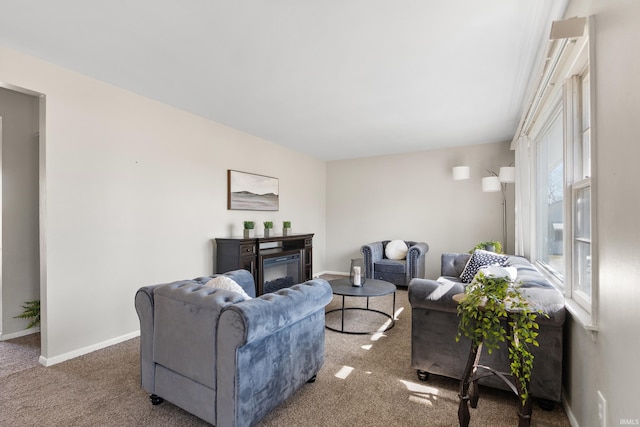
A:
(489, 245)
(31, 312)
(286, 227)
(268, 225)
(490, 305)
(248, 228)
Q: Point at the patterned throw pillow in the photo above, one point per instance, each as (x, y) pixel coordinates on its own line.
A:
(226, 282)
(480, 259)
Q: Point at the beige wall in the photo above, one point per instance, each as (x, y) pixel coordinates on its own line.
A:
(135, 193)
(607, 360)
(413, 197)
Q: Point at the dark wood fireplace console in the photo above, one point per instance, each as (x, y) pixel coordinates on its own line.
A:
(249, 253)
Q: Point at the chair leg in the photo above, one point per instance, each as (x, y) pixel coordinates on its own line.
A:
(155, 399)
(312, 379)
(546, 404)
(422, 375)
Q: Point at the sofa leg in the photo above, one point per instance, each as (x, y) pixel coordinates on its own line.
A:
(422, 375)
(546, 404)
(312, 379)
(155, 399)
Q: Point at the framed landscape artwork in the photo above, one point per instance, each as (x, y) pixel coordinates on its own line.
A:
(251, 192)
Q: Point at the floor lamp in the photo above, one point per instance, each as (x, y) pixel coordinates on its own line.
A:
(498, 182)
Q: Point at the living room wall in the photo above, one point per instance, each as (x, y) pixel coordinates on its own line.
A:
(412, 196)
(135, 192)
(606, 361)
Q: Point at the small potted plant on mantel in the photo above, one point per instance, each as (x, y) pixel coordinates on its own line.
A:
(286, 228)
(248, 229)
(268, 226)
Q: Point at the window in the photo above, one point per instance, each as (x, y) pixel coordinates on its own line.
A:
(557, 196)
(580, 187)
(550, 196)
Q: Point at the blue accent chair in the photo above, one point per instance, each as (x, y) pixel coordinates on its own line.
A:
(225, 359)
(398, 272)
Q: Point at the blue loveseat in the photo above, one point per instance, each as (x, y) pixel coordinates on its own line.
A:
(225, 359)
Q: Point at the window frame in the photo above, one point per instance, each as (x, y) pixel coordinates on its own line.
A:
(561, 87)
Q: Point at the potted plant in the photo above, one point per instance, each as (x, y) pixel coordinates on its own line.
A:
(494, 310)
(31, 312)
(286, 228)
(268, 225)
(489, 245)
(248, 229)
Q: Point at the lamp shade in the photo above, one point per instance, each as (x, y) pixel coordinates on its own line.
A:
(507, 174)
(491, 184)
(460, 173)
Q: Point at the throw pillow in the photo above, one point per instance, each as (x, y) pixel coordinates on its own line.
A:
(226, 282)
(496, 271)
(396, 249)
(479, 259)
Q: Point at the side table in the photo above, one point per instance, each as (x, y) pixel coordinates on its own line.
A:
(469, 391)
(371, 288)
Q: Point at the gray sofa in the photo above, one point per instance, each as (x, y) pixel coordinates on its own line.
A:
(435, 323)
(398, 272)
(224, 359)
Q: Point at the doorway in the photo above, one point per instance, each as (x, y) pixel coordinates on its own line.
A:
(21, 122)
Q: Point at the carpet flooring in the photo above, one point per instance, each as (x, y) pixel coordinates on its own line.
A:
(366, 381)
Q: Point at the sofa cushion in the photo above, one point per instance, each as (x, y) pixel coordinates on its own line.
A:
(390, 266)
(479, 259)
(226, 282)
(396, 250)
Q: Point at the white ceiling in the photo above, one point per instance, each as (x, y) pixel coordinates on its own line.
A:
(332, 78)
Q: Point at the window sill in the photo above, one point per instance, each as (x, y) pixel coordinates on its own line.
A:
(580, 315)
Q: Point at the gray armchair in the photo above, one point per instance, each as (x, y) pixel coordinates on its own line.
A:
(398, 272)
(224, 359)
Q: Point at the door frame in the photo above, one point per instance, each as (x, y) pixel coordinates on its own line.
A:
(42, 208)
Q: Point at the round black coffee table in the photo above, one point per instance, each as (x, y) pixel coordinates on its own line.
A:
(371, 288)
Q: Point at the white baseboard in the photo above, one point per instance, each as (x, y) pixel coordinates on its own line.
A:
(44, 361)
(567, 410)
(19, 334)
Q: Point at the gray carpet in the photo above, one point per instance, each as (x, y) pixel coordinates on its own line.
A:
(366, 380)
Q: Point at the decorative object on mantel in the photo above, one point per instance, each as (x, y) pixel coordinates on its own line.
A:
(248, 191)
(286, 228)
(356, 273)
(489, 245)
(268, 226)
(248, 229)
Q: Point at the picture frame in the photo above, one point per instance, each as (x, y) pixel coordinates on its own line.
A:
(252, 192)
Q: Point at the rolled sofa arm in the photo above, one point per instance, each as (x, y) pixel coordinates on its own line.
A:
(418, 250)
(431, 295)
(258, 317)
(372, 252)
